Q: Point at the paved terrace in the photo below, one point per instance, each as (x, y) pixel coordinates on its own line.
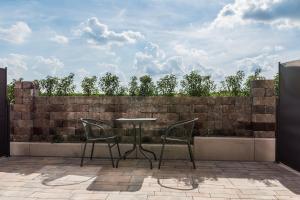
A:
(62, 178)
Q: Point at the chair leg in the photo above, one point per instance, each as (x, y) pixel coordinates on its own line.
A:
(83, 153)
(92, 151)
(191, 155)
(111, 156)
(117, 142)
(161, 154)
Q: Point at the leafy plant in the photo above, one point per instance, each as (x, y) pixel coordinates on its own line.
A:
(166, 85)
(147, 87)
(133, 86)
(48, 86)
(194, 84)
(256, 76)
(276, 83)
(11, 90)
(88, 85)
(66, 85)
(109, 84)
(233, 85)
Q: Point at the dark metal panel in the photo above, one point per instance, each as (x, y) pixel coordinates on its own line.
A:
(288, 137)
(4, 115)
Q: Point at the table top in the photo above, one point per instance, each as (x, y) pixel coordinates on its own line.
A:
(136, 119)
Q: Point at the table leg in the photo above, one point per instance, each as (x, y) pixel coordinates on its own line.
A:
(142, 149)
(130, 150)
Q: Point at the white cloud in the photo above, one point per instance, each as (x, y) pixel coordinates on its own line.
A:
(97, 33)
(193, 53)
(266, 61)
(184, 61)
(60, 39)
(16, 34)
(44, 66)
(16, 65)
(277, 13)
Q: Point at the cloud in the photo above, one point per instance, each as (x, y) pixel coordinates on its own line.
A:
(44, 66)
(97, 33)
(182, 62)
(15, 34)
(60, 39)
(193, 53)
(16, 65)
(268, 62)
(277, 13)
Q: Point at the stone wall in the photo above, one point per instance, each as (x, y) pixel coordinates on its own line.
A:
(40, 118)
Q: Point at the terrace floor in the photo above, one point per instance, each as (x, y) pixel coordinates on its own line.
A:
(62, 178)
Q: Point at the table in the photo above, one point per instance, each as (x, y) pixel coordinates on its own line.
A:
(139, 122)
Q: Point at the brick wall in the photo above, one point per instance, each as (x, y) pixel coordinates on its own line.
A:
(40, 118)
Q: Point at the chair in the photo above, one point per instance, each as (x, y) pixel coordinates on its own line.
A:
(103, 135)
(170, 135)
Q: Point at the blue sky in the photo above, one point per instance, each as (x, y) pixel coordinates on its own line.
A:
(156, 37)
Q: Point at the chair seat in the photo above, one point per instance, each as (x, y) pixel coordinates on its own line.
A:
(103, 138)
(177, 139)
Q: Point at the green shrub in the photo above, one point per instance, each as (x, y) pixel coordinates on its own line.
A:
(233, 84)
(166, 85)
(147, 87)
(89, 86)
(194, 84)
(133, 86)
(48, 86)
(110, 85)
(65, 85)
(276, 83)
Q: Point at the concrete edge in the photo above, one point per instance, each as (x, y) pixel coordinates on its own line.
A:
(205, 148)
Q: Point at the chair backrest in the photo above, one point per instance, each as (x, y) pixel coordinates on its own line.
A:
(190, 123)
(89, 124)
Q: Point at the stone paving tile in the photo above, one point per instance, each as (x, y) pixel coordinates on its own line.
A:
(39, 178)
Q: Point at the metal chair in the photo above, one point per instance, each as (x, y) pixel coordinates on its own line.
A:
(170, 135)
(103, 135)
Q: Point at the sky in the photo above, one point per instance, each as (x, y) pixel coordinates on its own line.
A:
(154, 37)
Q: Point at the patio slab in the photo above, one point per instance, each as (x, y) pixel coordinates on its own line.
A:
(63, 178)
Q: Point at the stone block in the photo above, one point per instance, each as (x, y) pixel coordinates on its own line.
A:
(262, 126)
(18, 93)
(227, 108)
(268, 118)
(262, 84)
(22, 108)
(259, 109)
(228, 100)
(166, 117)
(62, 115)
(269, 101)
(56, 100)
(28, 100)
(27, 85)
(264, 134)
(41, 100)
(41, 108)
(270, 92)
(258, 92)
(200, 108)
(18, 85)
(18, 100)
(16, 115)
(23, 123)
(27, 116)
